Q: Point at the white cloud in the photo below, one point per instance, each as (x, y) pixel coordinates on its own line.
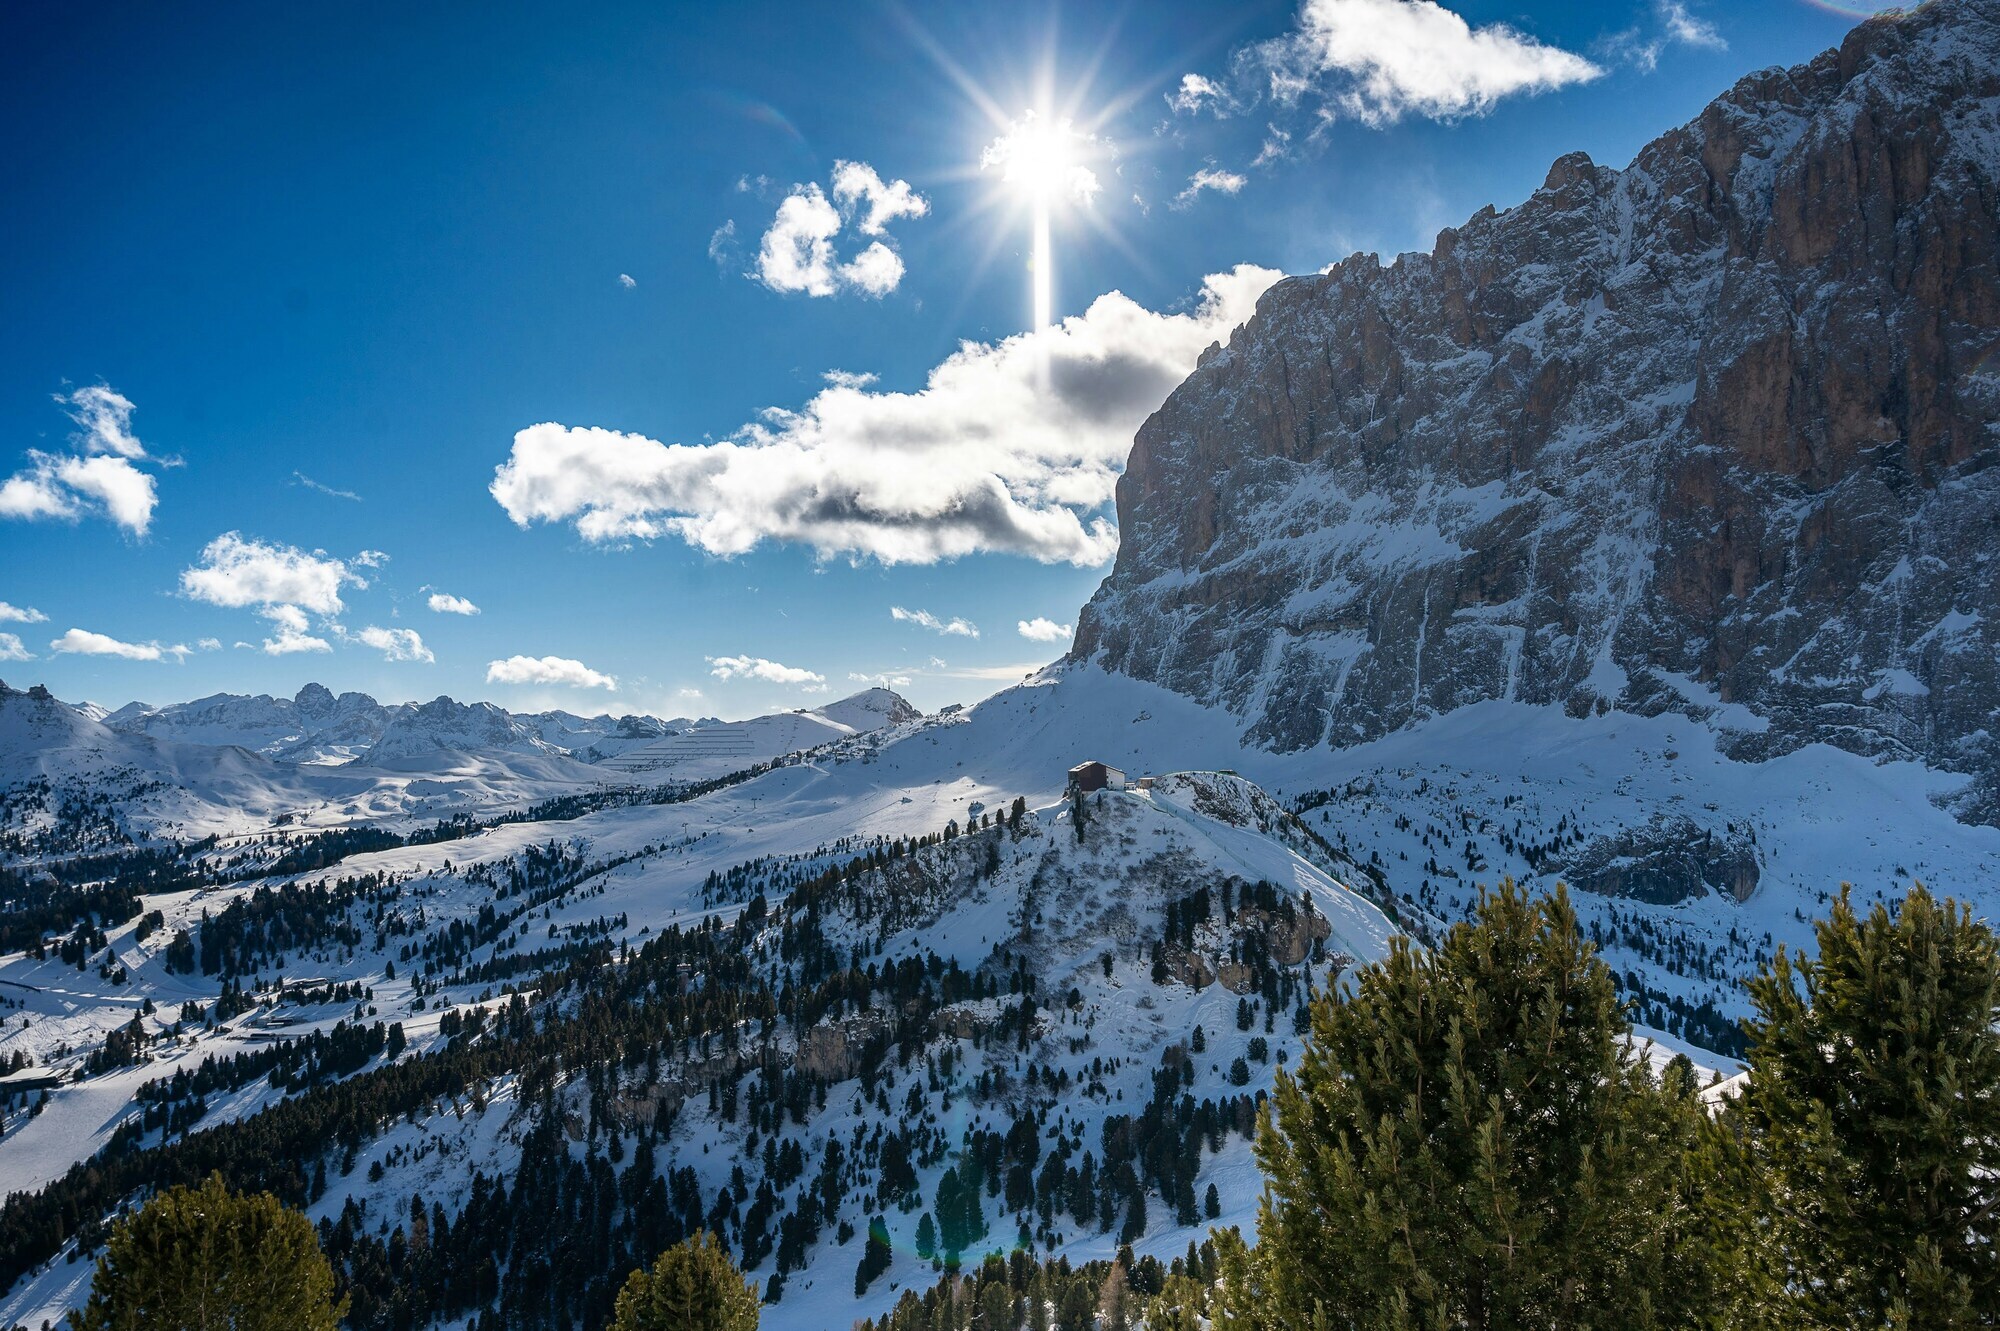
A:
(627, 281)
(548, 670)
(1677, 23)
(104, 418)
(11, 648)
(1683, 26)
(300, 478)
(82, 642)
(875, 271)
(981, 459)
(1197, 93)
(1208, 178)
(756, 667)
(847, 379)
(1276, 147)
(951, 628)
(396, 644)
(16, 614)
(871, 203)
(292, 632)
(1047, 156)
(235, 572)
(98, 479)
(68, 487)
(208, 645)
(370, 559)
(798, 251)
(446, 604)
(881, 681)
(1380, 60)
(1040, 629)
(722, 245)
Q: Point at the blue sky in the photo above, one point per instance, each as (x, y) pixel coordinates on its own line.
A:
(285, 288)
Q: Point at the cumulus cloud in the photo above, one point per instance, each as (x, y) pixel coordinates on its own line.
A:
(70, 487)
(12, 649)
(798, 251)
(980, 459)
(98, 479)
(872, 202)
(446, 604)
(396, 644)
(756, 667)
(293, 636)
(1208, 178)
(1040, 629)
(17, 614)
(627, 281)
(82, 642)
(1380, 60)
(548, 670)
(951, 628)
(237, 572)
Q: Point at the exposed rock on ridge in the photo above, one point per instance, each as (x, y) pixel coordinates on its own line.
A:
(1714, 433)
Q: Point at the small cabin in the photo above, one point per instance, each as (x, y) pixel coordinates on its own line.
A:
(1086, 777)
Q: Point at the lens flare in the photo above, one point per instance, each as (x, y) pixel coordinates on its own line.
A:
(1041, 159)
(1856, 11)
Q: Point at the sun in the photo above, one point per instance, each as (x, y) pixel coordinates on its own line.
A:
(1041, 158)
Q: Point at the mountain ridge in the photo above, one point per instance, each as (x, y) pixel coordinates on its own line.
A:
(1715, 434)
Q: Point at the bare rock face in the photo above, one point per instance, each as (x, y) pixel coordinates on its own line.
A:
(1715, 433)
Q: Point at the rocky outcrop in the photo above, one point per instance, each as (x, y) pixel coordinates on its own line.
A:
(1669, 860)
(1715, 433)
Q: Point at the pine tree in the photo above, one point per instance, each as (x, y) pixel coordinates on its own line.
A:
(208, 1259)
(1470, 1140)
(1874, 1106)
(692, 1287)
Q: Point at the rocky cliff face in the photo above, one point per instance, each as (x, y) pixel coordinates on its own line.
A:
(1715, 433)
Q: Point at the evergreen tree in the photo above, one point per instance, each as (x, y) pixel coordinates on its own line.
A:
(208, 1259)
(692, 1287)
(1874, 1107)
(1470, 1140)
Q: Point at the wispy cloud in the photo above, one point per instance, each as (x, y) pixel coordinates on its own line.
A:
(300, 478)
(446, 604)
(16, 614)
(627, 281)
(1211, 179)
(558, 670)
(951, 628)
(12, 649)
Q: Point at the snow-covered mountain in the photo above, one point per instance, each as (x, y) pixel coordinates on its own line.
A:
(720, 747)
(314, 727)
(317, 727)
(1713, 434)
(1586, 549)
